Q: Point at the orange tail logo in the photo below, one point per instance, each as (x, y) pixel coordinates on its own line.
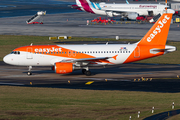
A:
(157, 35)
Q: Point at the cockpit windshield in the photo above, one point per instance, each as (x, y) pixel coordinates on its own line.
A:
(15, 52)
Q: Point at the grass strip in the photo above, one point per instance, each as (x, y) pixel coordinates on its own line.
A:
(56, 103)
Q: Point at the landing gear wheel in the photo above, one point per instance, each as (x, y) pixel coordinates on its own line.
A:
(122, 19)
(88, 73)
(83, 71)
(29, 73)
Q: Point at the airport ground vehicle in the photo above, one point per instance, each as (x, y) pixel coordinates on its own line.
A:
(144, 18)
(100, 20)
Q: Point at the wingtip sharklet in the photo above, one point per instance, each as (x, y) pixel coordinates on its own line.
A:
(115, 57)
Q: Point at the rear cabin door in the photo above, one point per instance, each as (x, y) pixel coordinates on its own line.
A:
(137, 52)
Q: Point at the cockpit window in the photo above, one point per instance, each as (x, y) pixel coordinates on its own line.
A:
(15, 52)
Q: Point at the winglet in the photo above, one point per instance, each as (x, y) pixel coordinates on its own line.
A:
(115, 57)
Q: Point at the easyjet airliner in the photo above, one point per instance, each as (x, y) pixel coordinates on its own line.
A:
(130, 11)
(66, 58)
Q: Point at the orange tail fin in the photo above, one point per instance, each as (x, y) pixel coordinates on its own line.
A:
(158, 33)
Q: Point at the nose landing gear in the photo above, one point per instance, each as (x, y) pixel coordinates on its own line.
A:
(29, 71)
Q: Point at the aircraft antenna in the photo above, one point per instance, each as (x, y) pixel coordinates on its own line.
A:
(166, 7)
(31, 44)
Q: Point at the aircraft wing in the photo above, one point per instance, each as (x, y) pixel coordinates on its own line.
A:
(97, 59)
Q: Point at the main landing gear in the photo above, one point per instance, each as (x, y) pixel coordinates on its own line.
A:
(86, 72)
(29, 71)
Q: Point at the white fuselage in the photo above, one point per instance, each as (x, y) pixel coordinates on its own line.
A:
(41, 58)
(141, 9)
(48, 56)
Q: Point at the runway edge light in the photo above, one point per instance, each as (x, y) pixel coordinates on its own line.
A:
(173, 105)
(138, 114)
(153, 109)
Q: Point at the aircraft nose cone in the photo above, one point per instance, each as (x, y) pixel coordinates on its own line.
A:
(6, 59)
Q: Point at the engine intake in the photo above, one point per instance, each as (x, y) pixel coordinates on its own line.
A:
(132, 16)
(63, 68)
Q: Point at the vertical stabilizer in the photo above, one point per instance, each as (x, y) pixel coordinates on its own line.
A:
(86, 5)
(158, 33)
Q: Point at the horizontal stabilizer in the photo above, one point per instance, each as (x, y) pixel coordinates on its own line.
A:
(166, 50)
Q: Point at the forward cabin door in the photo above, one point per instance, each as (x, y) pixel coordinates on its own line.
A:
(29, 53)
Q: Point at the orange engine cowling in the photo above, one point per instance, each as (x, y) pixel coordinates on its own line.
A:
(63, 68)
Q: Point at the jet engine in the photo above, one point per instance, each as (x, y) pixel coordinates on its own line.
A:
(63, 68)
(132, 16)
(111, 14)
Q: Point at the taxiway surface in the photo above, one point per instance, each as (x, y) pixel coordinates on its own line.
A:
(121, 77)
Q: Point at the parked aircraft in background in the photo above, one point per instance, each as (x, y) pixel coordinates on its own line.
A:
(130, 11)
(66, 58)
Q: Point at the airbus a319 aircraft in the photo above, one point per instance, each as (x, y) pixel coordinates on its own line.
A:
(130, 11)
(66, 58)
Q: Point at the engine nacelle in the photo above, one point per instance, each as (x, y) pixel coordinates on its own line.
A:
(132, 16)
(63, 68)
(110, 14)
(116, 14)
